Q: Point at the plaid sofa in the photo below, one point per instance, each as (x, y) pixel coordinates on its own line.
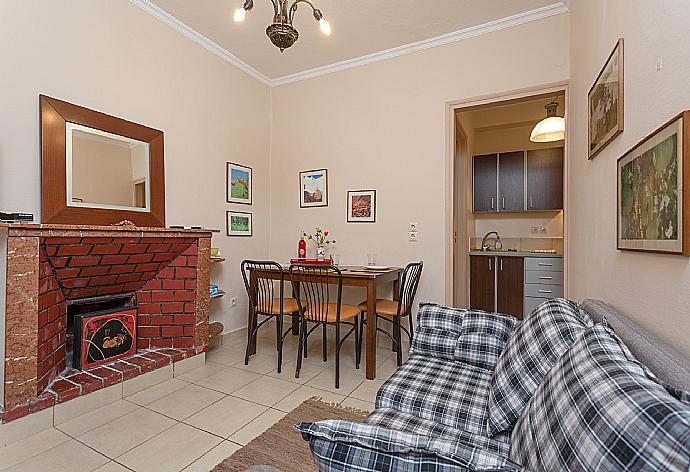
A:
(485, 392)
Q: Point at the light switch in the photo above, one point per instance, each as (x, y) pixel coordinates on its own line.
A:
(413, 226)
(413, 236)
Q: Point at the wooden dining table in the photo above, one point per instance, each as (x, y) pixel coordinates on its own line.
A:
(353, 276)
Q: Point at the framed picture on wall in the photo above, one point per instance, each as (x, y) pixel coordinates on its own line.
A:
(653, 215)
(313, 188)
(238, 183)
(606, 97)
(361, 206)
(239, 223)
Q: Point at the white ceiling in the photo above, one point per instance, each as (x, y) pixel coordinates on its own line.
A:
(360, 28)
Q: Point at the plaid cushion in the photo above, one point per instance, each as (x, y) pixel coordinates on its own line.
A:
(596, 411)
(483, 337)
(437, 332)
(407, 423)
(449, 393)
(535, 346)
(346, 446)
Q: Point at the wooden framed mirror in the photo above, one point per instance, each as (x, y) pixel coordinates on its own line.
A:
(97, 169)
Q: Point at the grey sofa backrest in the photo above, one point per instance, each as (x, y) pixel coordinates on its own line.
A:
(665, 362)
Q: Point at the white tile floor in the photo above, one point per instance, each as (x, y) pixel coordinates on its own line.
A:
(195, 420)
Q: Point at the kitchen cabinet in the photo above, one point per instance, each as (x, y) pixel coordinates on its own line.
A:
(543, 281)
(496, 284)
(511, 181)
(545, 179)
(484, 175)
(518, 181)
(482, 282)
(510, 285)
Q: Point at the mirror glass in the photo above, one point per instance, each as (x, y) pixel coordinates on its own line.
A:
(105, 170)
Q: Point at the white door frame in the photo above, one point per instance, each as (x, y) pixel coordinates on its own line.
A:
(451, 107)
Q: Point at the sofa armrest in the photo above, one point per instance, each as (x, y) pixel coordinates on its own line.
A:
(339, 445)
(437, 331)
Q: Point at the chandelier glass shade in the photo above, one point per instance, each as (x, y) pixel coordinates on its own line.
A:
(281, 32)
(551, 128)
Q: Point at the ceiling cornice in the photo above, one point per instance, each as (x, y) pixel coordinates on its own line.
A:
(177, 25)
(460, 35)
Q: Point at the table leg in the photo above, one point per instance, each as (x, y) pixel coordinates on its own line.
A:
(371, 331)
(295, 318)
(251, 316)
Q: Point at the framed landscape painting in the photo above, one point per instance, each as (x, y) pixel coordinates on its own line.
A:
(313, 188)
(239, 223)
(238, 183)
(653, 215)
(361, 206)
(606, 99)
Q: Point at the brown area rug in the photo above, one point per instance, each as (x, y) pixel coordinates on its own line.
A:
(281, 446)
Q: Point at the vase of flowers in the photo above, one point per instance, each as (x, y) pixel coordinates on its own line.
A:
(320, 237)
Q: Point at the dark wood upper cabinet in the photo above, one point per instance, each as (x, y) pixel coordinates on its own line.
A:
(482, 283)
(484, 177)
(545, 179)
(510, 276)
(511, 181)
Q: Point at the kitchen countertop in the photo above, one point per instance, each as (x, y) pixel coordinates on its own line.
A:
(514, 254)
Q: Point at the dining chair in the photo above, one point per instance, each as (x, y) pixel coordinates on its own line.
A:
(263, 300)
(318, 306)
(393, 311)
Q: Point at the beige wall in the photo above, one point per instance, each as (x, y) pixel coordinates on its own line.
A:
(113, 57)
(102, 172)
(383, 126)
(654, 289)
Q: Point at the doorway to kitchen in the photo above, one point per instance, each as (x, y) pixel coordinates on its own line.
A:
(507, 201)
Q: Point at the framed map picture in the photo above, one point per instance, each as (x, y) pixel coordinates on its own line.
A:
(238, 183)
(606, 103)
(653, 215)
(313, 188)
(361, 206)
(239, 223)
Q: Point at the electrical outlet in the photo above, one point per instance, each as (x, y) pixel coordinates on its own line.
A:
(542, 230)
(233, 301)
(413, 227)
(413, 236)
(534, 230)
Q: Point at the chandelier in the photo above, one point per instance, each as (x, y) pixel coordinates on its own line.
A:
(281, 32)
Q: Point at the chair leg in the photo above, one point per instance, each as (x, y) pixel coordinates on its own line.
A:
(358, 346)
(396, 333)
(409, 319)
(398, 338)
(250, 335)
(325, 342)
(306, 347)
(337, 355)
(278, 332)
(361, 334)
(279, 324)
(300, 342)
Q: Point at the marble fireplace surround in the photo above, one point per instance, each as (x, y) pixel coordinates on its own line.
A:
(46, 267)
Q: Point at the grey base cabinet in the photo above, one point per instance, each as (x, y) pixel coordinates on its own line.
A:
(543, 281)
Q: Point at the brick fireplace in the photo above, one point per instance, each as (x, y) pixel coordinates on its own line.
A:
(54, 271)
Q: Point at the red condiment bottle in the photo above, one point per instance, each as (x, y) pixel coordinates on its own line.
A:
(302, 247)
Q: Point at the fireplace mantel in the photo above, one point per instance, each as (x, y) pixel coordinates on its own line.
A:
(48, 266)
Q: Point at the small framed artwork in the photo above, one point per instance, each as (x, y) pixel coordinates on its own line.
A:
(606, 99)
(239, 223)
(653, 215)
(361, 206)
(238, 183)
(313, 188)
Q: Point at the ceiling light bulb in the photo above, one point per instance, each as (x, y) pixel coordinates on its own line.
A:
(240, 14)
(325, 27)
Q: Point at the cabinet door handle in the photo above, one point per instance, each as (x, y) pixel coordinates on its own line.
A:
(544, 264)
(503, 202)
(531, 203)
(545, 278)
(545, 291)
(490, 265)
(501, 260)
(492, 203)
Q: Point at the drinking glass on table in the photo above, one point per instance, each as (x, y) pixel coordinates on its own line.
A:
(371, 259)
(336, 259)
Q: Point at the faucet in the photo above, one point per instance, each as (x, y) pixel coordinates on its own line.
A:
(497, 244)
